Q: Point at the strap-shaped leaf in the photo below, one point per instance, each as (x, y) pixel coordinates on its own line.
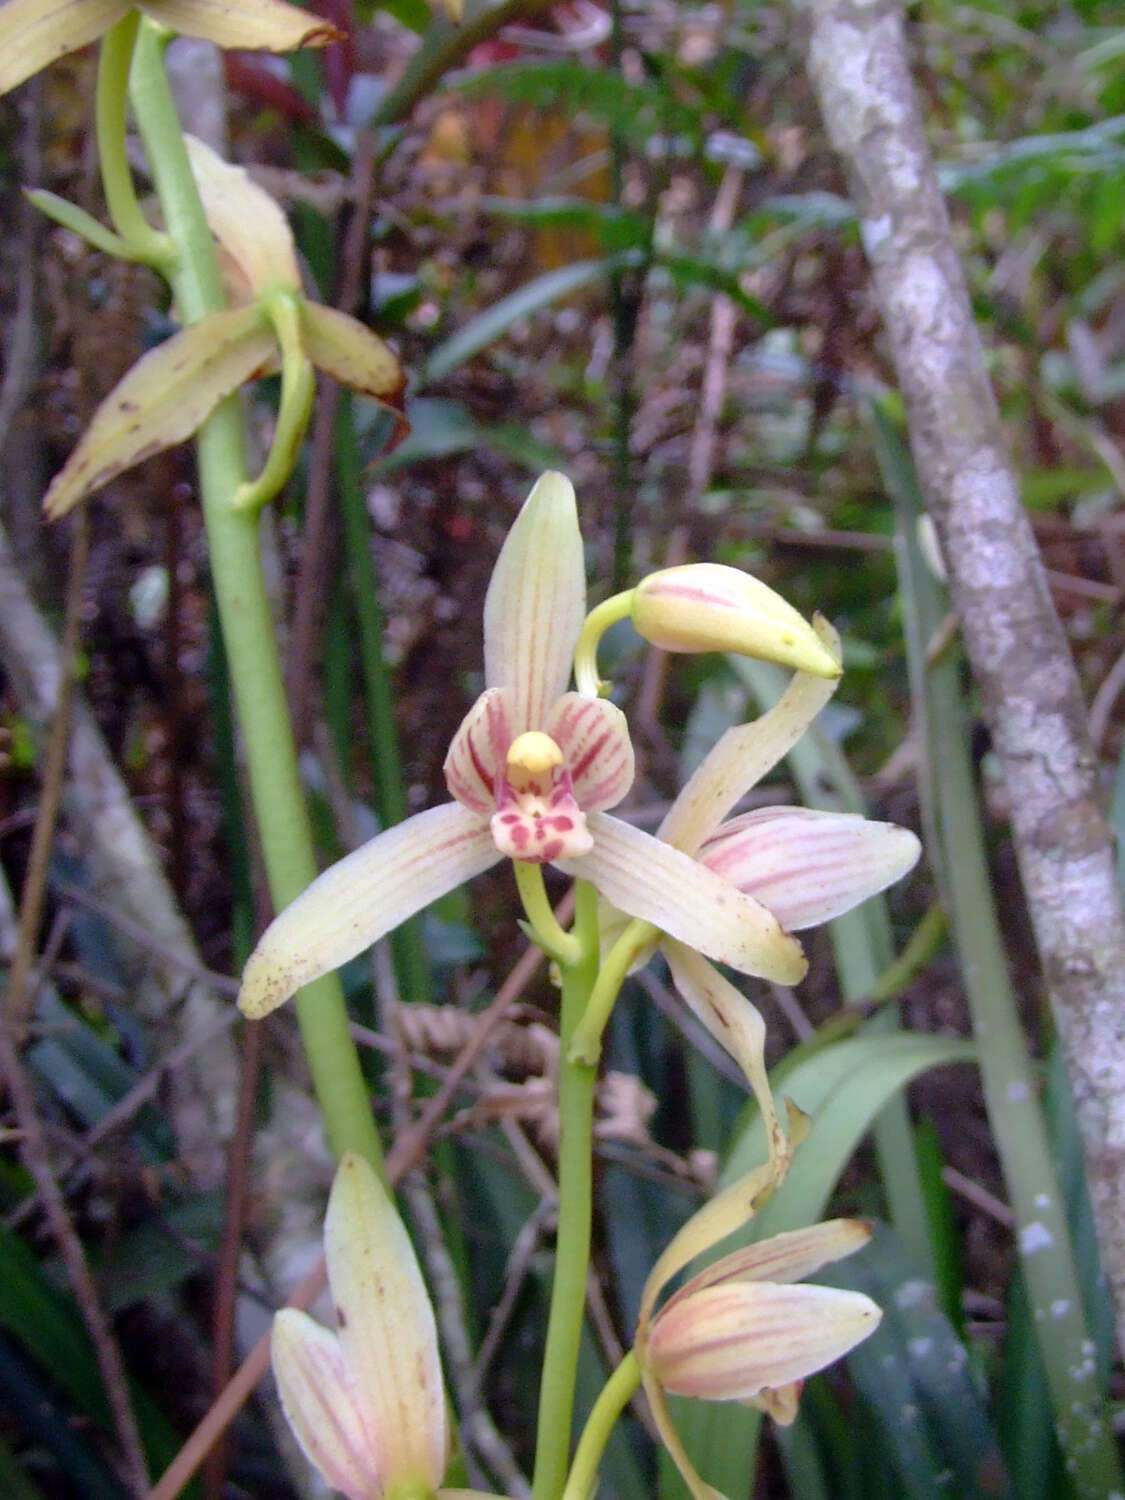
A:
(163, 399)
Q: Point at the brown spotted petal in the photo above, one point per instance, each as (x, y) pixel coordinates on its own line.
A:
(809, 866)
(596, 749)
(163, 399)
(731, 1341)
(33, 33)
(253, 25)
(386, 1328)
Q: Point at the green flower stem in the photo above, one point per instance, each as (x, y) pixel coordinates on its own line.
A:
(616, 1394)
(598, 621)
(586, 1043)
(572, 1254)
(564, 947)
(298, 387)
(143, 242)
(244, 613)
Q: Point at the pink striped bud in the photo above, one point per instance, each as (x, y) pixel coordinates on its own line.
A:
(709, 607)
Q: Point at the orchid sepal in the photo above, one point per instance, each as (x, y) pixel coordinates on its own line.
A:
(35, 33)
(361, 898)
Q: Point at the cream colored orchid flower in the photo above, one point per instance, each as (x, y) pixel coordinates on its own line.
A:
(171, 390)
(742, 1330)
(34, 33)
(531, 770)
(366, 1403)
(803, 866)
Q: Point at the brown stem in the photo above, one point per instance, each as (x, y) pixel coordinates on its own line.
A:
(1029, 690)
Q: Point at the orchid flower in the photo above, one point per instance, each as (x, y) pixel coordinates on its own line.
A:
(741, 1329)
(802, 865)
(171, 390)
(366, 1403)
(532, 770)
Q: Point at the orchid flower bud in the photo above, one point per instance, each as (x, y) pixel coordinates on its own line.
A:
(710, 607)
(366, 1403)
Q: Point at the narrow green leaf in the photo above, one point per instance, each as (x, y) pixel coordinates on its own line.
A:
(1007, 1075)
(495, 321)
(915, 1372)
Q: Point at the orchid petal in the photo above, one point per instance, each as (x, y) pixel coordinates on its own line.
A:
(696, 1484)
(597, 751)
(253, 25)
(536, 603)
(36, 32)
(253, 234)
(362, 897)
(783, 1258)
(321, 1404)
(351, 353)
(781, 1402)
(721, 1215)
(733, 1021)
(744, 754)
(649, 879)
(163, 399)
(728, 1342)
(476, 756)
(809, 866)
(387, 1330)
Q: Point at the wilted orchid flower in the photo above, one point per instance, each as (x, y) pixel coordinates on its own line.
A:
(366, 1403)
(531, 769)
(742, 1330)
(170, 391)
(33, 33)
(802, 865)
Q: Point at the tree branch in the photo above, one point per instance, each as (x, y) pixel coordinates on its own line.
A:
(1029, 690)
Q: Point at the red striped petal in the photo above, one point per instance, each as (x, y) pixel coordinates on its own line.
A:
(476, 756)
(594, 739)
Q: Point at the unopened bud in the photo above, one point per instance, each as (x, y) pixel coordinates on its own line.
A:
(710, 607)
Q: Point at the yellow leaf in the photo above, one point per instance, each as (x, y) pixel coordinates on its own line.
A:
(33, 33)
(163, 399)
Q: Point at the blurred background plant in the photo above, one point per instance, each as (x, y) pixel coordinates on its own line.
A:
(612, 241)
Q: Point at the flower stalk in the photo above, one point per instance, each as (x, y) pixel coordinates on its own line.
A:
(577, 1081)
(243, 606)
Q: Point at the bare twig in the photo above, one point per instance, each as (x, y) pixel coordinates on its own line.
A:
(1029, 690)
